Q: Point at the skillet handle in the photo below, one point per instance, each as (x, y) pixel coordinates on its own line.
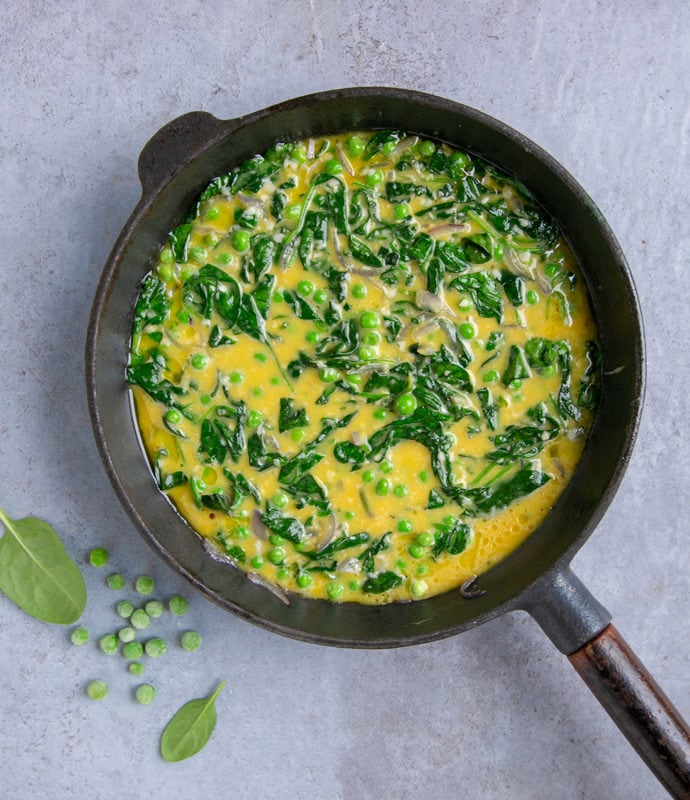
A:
(580, 627)
(173, 144)
(639, 707)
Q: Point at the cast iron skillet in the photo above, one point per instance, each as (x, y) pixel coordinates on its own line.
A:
(174, 167)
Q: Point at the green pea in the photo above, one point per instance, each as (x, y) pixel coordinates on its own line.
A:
(491, 376)
(349, 515)
(422, 569)
(190, 640)
(240, 241)
(183, 317)
(380, 413)
(297, 434)
(211, 239)
(145, 694)
(313, 337)
(126, 634)
(300, 154)
(334, 590)
(366, 353)
(135, 668)
(551, 269)
(280, 500)
(334, 167)
(368, 476)
(426, 538)
(275, 380)
(406, 403)
(165, 271)
(241, 532)
(198, 253)
(257, 562)
(173, 416)
(109, 644)
(277, 540)
(354, 379)
(305, 288)
(283, 574)
(277, 555)
(328, 374)
(459, 160)
(154, 608)
(261, 357)
(401, 565)
(387, 148)
(370, 319)
(383, 487)
(199, 361)
(423, 476)
(257, 391)
(79, 636)
(400, 490)
(205, 399)
(449, 520)
(354, 586)
(418, 588)
(355, 146)
(404, 526)
(155, 647)
(371, 338)
(97, 690)
(213, 213)
(223, 258)
(166, 256)
(359, 291)
(116, 581)
(427, 148)
(402, 211)
(254, 418)
(387, 466)
(467, 330)
(144, 584)
(416, 550)
(124, 609)
(374, 177)
(98, 557)
(132, 651)
(178, 605)
(304, 579)
(140, 619)
(532, 297)
(320, 296)
(516, 384)
(236, 377)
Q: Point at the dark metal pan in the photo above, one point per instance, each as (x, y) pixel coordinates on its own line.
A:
(174, 167)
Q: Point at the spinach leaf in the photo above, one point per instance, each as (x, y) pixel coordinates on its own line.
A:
(501, 495)
(179, 241)
(263, 253)
(190, 728)
(341, 543)
(169, 481)
(241, 488)
(452, 256)
(216, 338)
(152, 306)
(517, 368)
(300, 307)
(150, 377)
(421, 249)
(588, 394)
(489, 409)
(287, 527)
(483, 289)
(250, 320)
(397, 192)
(382, 582)
(219, 439)
(349, 453)
(520, 442)
(295, 467)
(541, 353)
(290, 417)
(451, 538)
(514, 287)
(367, 557)
(566, 407)
(363, 253)
(36, 572)
(259, 458)
(435, 500)
(382, 140)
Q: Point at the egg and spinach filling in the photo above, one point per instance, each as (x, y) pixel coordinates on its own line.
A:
(364, 366)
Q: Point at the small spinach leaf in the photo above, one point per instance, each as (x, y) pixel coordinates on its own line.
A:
(190, 728)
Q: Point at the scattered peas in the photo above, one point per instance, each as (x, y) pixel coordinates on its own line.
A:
(173, 416)
(109, 644)
(154, 608)
(166, 255)
(328, 374)
(359, 291)
(406, 403)
(292, 211)
(305, 288)
(402, 211)
(241, 532)
(98, 557)
(115, 581)
(354, 586)
(132, 651)
(280, 500)
(516, 384)
(197, 253)
(277, 540)
(261, 357)
(320, 296)
(145, 694)
(467, 330)
(144, 584)
(422, 569)
(334, 167)
(97, 690)
(418, 588)
(124, 609)
(277, 555)
(236, 377)
(213, 213)
(423, 476)
(190, 640)
(313, 337)
(178, 605)
(532, 297)
(304, 580)
(426, 538)
(334, 590)
(383, 487)
(400, 490)
(370, 319)
(371, 338)
(297, 434)
(404, 526)
(223, 258)
(165, 271)
(126, 634)
(211, 239)
(366, 353)
(257, 562)
(300, 154)
(283, 574)
(427, 148)
(401, 565)
(491, 376)
(380, 413)
(136, 668)
(140, 619)
(459, 160)
(355, 146)
(386, 466)
(368, 476)
(199, 361)
(240, 241)
(155, 647)
(254, 418)
(79, 636)
(349, 515)
(416, 550)
(374, 177)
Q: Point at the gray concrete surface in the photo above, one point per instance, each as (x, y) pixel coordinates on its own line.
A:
(493, 714)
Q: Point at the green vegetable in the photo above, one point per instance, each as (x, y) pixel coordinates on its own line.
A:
(79, 636)
(516, 368)
(109, 644)
(178, 605)
(190, 640)
(126, 634)
(190, 728)
(135, 668)
(37, 574)
(144, 584)
(154, 608)
(124, 609)
(132, 651)
(97, 690)
(145, 693)
(383, 582)
(116, 581)
(290, 417)
(98, 557)
(140, 619)
(483, 289)
(155, 647)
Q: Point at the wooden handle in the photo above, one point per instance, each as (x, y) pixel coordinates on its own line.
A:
(639, 707)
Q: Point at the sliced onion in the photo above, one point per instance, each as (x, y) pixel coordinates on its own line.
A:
(272, 588)
(328, 533)
(468, 589)
(358, 438)
(344, 160)
(451, 227)
(258, 527)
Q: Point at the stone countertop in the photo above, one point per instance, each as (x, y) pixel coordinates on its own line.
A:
(495, 713)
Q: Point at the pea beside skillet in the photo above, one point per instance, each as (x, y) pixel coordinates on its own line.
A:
(364, 366)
